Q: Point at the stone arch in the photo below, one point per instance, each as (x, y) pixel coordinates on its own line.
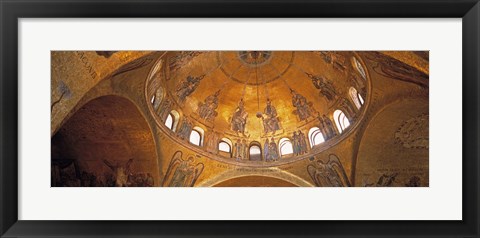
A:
(272, 173)
(107, 128)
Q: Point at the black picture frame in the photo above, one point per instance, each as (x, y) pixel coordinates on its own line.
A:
(11, 11)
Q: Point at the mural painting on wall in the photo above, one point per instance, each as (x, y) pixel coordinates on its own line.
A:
(207, 109)
(346, 106)
(155, 91)
(299, 143)
(187, 87)
(303, 108)
(182, 172)
(66, 173)
(392, 68)
(270, 118)
(270, 150)
(120, 172)
(185, 129)
(254, 57)
(359, 84)
(158, 98)
(337, 60)
(328, 174)
(391, 180)
(211, 141)
(413, 133)
(414, 181)
(359, 68)
(182, 58)
(326, 127)
(133, 65)
(239, 118)
(164, 108)
(385, 180)
(240, 149)
(324, 85)
(124, 176)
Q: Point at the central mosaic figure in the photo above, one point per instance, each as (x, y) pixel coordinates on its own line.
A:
(254, 58)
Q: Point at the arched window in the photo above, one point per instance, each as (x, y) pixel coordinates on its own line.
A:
(175, 118)
(315, 136)
(255, 152)
(356, 97)
(360, 98)
(286, 147)
(196, 136)
(359, 68)
(225, 145)
(341, 120)
(169, 121)
(157, 98)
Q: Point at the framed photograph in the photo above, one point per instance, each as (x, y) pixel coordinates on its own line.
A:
(226, 118)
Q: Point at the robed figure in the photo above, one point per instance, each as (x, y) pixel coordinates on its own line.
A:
(325, 86)
(329, 174)
(187, 87)
(239, 118)
(265, 150)
(303, 142)
(182, 173)
(296, 144)
(303, 108)
(272, 151)
(207, 109)
(270, 119)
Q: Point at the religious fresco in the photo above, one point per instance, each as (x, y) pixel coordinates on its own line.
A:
(326, 126)
(187, 87)
(270, 118)
(324, 85)
(336, 60)
(328, 174)
(413, 133)
(185, 129)
(181, 59)
(66, 173)
(135, 64)
(241, 118)
(270, 150)
(300, 146)
(207, 109)
(396, 69)
(240, 150)
(303, 108)
(182, 172)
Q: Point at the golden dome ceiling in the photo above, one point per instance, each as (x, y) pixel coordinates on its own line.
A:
(255, 95)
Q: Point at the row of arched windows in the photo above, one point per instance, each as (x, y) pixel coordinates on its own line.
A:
(315, 135)
(285, 146)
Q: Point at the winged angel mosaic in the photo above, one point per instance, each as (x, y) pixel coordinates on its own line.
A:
(182, 173)
(329, 174)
